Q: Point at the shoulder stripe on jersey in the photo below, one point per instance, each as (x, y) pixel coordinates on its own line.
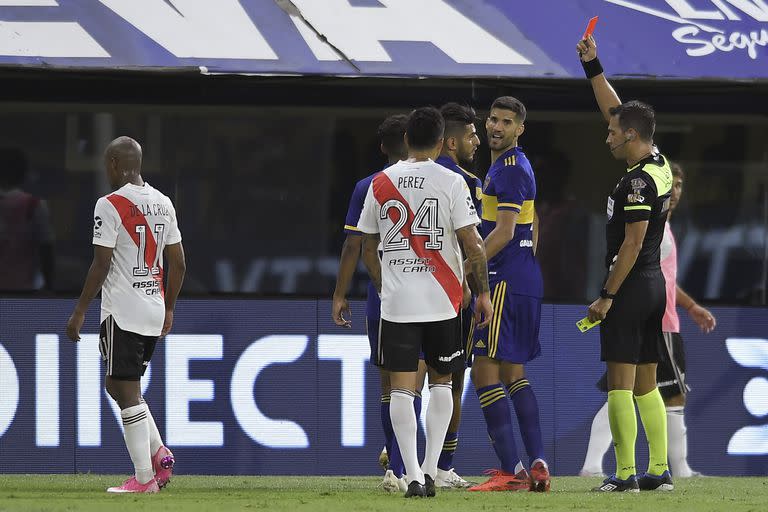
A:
(383, 191)
(510, 160)
(467, 172)
(130, 220)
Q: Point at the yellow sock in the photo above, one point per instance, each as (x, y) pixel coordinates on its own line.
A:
(621, 414)
(654, 417)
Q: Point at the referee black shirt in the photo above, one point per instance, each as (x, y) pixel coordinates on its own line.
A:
(643, 193)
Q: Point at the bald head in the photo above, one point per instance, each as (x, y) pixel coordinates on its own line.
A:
(123, 161)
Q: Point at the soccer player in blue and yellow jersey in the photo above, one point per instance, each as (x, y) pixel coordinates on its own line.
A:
(509, 228)
(391, 133)
(458, 153)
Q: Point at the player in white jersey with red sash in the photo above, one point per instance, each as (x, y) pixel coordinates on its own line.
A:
(133, 227)
(420, 212)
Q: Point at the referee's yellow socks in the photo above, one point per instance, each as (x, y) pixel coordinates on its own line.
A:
(654, 417)
(621, 415)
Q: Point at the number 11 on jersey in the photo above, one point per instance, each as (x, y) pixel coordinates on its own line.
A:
(141, 268)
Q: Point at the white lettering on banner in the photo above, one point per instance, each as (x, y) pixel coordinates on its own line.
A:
(180, 349)
(195, 29)
(88, 391)
(291, 269)
(359, 31)
(353, 352)
(736, 41)
(47, 389)
(259, 355)
(751, 353)
(47, 39)
(704, 39)
(9, 385)
(29, 3)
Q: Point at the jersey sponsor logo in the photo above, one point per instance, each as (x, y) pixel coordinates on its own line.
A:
(609, 209)
(719, 27)
(635, 198)
(471, 205)
(149, 287)
(413, 265)
(526, 243)
(480, 344)
(97, 223)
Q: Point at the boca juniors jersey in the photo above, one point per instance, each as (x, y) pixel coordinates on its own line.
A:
(510, 185)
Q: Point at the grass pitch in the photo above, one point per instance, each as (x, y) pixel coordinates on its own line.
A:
(319, 494)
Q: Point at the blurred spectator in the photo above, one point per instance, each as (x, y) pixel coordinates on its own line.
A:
(26, 239)
(564, 225)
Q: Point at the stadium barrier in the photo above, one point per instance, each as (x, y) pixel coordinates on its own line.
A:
(272, 387)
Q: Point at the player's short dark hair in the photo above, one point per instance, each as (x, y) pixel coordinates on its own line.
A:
(14, 166)
(391, 132)
(456, 118)
(677, 171)
(425, 128)
(638, 115)
(513, 104)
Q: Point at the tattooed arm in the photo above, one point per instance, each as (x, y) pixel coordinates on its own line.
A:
(371, 258)
(474, 249)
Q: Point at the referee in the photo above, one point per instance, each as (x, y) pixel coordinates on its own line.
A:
(633, 299)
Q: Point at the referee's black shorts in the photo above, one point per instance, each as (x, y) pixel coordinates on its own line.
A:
(631, 331)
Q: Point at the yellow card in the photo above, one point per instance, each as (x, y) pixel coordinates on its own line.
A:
(584, 324)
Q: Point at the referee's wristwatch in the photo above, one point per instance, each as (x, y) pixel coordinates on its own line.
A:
(605, 295)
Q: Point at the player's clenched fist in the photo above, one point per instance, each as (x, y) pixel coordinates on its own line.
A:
(587, 49)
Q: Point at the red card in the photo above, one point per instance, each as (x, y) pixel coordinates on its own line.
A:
(590, 27)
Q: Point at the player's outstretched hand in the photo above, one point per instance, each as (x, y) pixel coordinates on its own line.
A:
(483, 310)
(703, 318)
(587, 49)
(340, 312)
(598, 309)
(167, 323)
(74, 324)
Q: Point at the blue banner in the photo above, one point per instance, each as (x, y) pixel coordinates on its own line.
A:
(434, 38)
(273, 387)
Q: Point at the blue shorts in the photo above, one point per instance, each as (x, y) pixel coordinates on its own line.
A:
(513, 335)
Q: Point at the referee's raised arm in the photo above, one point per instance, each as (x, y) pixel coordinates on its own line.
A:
(604, 93)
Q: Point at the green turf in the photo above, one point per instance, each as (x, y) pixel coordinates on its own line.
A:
(318, 494)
